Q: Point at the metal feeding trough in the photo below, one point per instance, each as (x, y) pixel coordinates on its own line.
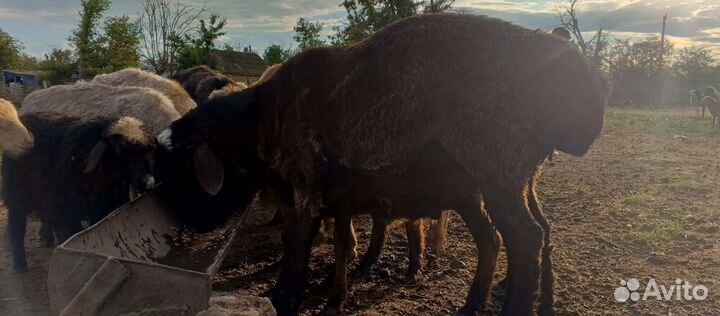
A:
(138, 260)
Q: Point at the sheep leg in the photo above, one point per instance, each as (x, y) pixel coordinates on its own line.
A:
(46, 234)
(336, 304)
(438, 231)
(487, 242)
(17, 224)
(297, 240)
(546, 278)
(523, 238)
(416, 244)
(377, 243)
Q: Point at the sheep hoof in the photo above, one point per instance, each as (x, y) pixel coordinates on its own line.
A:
(547, 310)
(466, 311)
(333, 311)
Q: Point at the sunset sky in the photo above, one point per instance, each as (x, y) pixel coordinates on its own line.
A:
(45, 24)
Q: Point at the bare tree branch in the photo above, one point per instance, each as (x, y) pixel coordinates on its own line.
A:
(164, 23)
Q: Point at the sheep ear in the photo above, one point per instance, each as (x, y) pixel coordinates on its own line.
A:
(208, 169)
(95, 155)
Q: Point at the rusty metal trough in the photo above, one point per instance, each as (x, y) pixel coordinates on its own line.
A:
(138, 260)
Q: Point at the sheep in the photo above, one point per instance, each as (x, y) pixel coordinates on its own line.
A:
(201, 81)
(714, 106)
(94, 99)
(15, 140)
(267, 74)
(79, 169)
(696, 101)
(415, 231)
(133, 77)
(226, 90)
(347, 145)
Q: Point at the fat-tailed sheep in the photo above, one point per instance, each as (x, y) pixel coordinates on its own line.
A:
(15, 140)
(79, 169)
(343, 142)
(94, 99)
(133, 77)
(201, 81)
(267, 74)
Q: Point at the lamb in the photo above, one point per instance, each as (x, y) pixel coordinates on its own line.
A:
(133, 77)
(93, 99)
(201, 81)
(15, 140)
(696, 101)
(347, 145)
(79, 169)
(714, 106)
(415, 231)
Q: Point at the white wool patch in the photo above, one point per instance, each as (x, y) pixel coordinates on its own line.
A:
(165, 139)
(130, 128)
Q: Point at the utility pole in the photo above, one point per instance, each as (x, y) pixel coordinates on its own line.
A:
(662, 42)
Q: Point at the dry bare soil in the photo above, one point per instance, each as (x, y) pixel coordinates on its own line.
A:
(644, 203)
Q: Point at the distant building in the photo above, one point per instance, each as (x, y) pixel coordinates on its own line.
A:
(241, 67)
(22, 77)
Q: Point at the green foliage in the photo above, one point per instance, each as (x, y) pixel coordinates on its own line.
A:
(119, 44)
(694, 64)
(276, 54)
(84, 37)
(10, 50)
(307, 34)
(195, 51)
(58, 65)
(365, 17)
(637, 69)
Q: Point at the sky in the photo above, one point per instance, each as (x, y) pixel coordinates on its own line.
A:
(42, 25)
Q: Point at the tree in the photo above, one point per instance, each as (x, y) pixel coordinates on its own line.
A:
(58, 65)
(84, 36)
(307, 34)
(165, 24)
(276, 54)
(365, 17)
(10, 50)
(636, 68)
(594, 48)
(695, 66)
(120, 44)
(197, 50)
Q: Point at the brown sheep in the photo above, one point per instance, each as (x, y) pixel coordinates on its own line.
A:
(133, 77)
(465, 132)
(714, 106)
(15, 140)
(201, 81)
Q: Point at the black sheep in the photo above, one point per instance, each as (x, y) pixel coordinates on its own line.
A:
(484, 113)
(79, 169)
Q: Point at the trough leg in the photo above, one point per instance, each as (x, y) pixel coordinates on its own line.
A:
(377, 243)
(487, 242)
(416, 245)
(523, 238)
(336, 304)
(546, 278)
(297, 243)
(17, 224)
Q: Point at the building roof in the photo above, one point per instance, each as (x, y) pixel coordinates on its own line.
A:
(239, 63)
(22, 72)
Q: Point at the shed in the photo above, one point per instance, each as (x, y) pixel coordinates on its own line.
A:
(23, 77)
(240, 66)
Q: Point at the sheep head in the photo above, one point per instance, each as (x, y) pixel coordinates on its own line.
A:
(225, 128)
(126, 146)
(15, 139)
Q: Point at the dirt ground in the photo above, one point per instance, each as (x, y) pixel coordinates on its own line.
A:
(644, 203)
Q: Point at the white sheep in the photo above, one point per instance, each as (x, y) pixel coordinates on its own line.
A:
(133, 77)
(15, 140)
(94, 99)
